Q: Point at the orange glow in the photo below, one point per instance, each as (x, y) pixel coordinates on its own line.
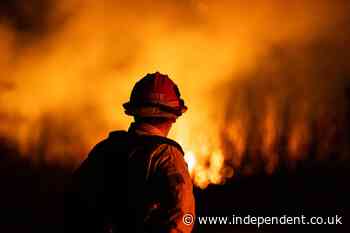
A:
(242, 69)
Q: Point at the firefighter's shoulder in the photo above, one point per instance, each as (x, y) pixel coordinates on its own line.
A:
(166, 150)
(170, 159)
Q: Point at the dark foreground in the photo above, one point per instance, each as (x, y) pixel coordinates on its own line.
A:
(32, 196)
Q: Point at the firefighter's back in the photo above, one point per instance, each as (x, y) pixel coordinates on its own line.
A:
(116, 187)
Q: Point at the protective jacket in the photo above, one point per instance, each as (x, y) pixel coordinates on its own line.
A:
(148, 171)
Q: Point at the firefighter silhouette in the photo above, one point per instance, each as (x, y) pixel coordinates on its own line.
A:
(136, 181)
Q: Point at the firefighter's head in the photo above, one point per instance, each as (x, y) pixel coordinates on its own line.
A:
(155, 99)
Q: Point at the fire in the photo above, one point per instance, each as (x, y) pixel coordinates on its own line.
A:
(207, 172)
(258, 91)
(205, 160)
(191, 161)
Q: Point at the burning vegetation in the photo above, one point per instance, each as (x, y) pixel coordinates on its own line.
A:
(267, 82)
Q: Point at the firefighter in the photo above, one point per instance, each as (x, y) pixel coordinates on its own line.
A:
(158, 188)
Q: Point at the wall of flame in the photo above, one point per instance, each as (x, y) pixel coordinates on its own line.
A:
(265, 81)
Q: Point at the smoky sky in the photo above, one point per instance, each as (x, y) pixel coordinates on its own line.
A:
(32, 18)
(66, 64)
(302, 88)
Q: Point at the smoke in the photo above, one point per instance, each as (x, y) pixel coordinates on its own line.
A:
(265, 78)
(292, 109)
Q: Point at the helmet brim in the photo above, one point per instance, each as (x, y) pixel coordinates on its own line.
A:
(151, 111)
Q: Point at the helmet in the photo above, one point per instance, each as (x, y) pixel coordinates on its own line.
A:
(155, 95)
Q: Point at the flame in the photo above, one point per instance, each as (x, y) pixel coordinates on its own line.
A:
(258, 91)
(191, 161)
(206, 163)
